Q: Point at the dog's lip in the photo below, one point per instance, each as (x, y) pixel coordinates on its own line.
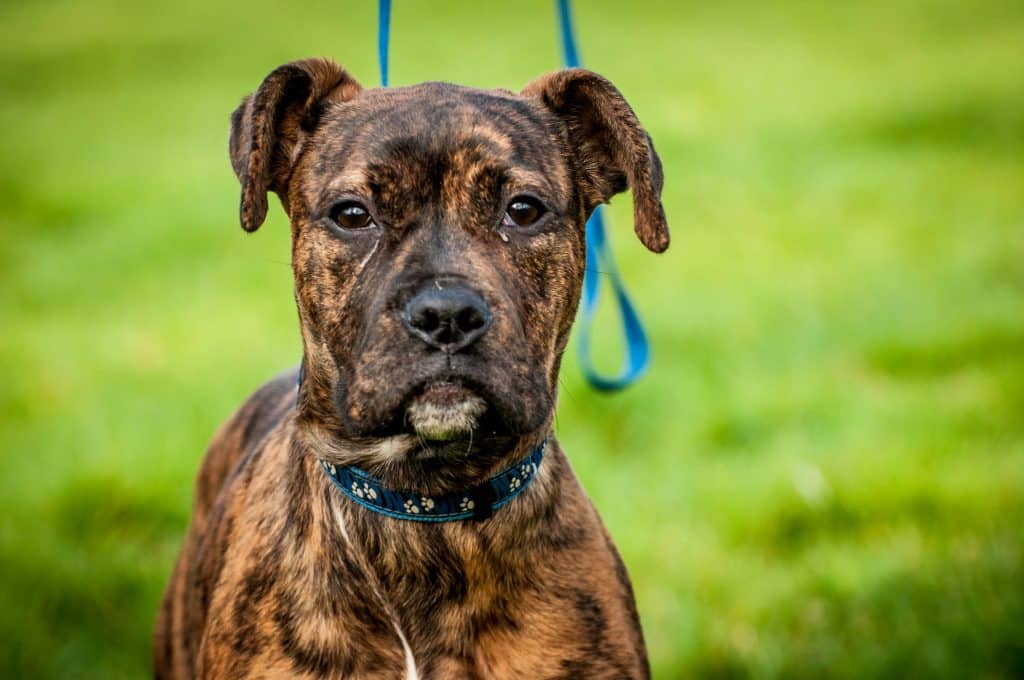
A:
(444, 392)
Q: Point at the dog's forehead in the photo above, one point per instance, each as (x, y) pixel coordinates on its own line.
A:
(461, 127)
(437, 109)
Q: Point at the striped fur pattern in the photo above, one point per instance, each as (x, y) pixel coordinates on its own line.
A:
(282, 576)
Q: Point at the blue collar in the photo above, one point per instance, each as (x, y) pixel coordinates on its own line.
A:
(478, 502)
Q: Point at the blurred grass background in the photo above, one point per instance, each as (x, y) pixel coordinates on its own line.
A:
(822, 475)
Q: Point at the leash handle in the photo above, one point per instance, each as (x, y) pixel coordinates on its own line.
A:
(601, 261)
(383, 38)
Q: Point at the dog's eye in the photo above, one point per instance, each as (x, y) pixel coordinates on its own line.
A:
(523, 211)
(351, 215)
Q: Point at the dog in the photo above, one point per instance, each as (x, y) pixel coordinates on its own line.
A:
(406, 511)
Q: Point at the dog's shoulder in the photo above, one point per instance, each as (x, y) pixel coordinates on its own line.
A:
(181, 621)
(253, 420)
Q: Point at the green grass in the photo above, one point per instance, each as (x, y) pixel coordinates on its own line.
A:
(821, 476)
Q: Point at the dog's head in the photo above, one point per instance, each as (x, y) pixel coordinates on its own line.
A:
(438, 239)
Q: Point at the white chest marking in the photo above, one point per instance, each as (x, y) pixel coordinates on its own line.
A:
(410, 662)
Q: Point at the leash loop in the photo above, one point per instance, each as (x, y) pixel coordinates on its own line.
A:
(601, 261)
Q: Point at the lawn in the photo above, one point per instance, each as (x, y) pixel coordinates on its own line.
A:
(822, 475)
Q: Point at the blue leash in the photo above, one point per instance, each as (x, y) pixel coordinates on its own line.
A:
(601, 261)
(383, 38)
(599, 255)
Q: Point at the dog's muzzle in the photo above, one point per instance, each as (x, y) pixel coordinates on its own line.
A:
(447, 318)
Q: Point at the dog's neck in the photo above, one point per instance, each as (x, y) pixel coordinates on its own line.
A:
(404, 462)
(477, 502)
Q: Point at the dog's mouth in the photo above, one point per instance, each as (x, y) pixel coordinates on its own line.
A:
(460, 408)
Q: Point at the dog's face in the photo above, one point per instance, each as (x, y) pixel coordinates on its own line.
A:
(438, 238)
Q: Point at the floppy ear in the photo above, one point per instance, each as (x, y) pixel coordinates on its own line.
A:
(268, 128)
(612, 149)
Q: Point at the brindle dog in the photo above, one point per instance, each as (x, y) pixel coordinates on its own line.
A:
(438, 255)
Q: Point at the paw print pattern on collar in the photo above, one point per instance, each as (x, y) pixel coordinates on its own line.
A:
(479, 502)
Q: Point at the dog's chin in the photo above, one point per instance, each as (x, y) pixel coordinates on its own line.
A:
(445, 412)
(448, 419)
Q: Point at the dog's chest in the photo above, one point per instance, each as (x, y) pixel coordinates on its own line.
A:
(421, 601)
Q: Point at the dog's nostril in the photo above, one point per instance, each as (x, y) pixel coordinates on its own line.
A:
(449, 319)
(469, 319)
(427, 321)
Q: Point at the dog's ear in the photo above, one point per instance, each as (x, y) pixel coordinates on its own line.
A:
(612, 149)
(268, 128)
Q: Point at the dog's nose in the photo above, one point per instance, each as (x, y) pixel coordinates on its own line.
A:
(448, 319)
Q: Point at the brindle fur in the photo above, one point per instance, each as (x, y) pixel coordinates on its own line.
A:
(281, 576)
